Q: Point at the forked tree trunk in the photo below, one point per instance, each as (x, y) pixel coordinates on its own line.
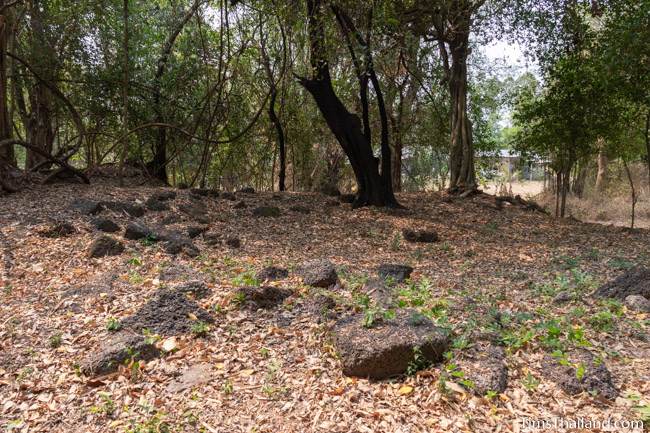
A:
(273, 116)
(373, 189)
(461, 160)
(346, 127)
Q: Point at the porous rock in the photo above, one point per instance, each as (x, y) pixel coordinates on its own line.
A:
(318, 273)
(389, 347)
(116, 352)
(105, 246)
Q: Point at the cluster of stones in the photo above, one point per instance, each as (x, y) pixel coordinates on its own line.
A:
(389, 347)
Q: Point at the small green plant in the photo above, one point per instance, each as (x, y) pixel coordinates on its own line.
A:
(620, 263)
(239, 299)
(461, 343)
(246, 279)
(135, 261)
(593, 254)
(107, 406)
(148, 240)
(419, 362)
(229, 261)
(396, 242)
(567, 262)
(530, 382)
(55, 341)
(614, 306)
(516, 339)
(369, 317)
(227, 387)
(24, 374)
(113, 325)
(135, 278)
(272, 391)
(200, 328)
(602, 321)
(265, 352)
(373, 315)
(155, 424)
(577, 335)
(418, 254)
(640, 407)
(561, 358)
(150, 337)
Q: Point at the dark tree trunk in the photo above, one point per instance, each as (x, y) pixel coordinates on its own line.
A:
(273, 116)
(397, 156)
(7, 153)
(281, 145)
(632, 191)
(39, 126)
(565, 190)
(346, 127)
(461, 160)
(580, 179)
(158, 165)
(373, 188)
(40, 131)
(647, 142)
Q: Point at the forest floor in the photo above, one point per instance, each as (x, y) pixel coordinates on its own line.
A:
(495, 269)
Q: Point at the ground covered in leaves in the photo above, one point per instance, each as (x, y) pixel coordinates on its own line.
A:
(217, 347)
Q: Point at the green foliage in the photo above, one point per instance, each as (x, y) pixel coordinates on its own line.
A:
(602, 321)
(419, 362)
(113, 324)
(246, 279)
(530, 382)
(200, 328)
(55, 341)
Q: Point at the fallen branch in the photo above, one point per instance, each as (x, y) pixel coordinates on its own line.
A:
(518, 201)
(61, 163)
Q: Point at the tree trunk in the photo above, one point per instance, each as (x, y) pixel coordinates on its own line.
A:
(281, 145)
(346, 127)
(273, 116)
(461, 161)
(7, 154)
(40, 131)
(632, 191)
(565, 190)
(581, 178)
(397, 157)
(647, 142)
(158, 164)
(602, 175)
(558, 187)
(39, 126)
(125, 89)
